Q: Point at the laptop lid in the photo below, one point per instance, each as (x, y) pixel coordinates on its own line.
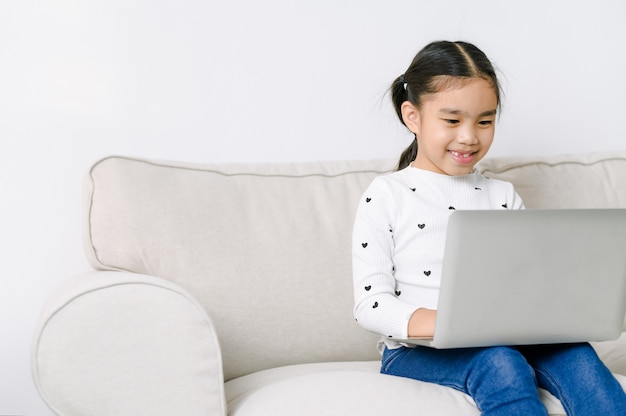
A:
(517, 277)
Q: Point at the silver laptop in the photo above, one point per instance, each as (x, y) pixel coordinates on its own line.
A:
(519, 277)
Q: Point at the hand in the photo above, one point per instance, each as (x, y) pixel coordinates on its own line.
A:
(422, 323)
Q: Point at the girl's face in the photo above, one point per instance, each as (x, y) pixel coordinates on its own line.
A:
(454, 127)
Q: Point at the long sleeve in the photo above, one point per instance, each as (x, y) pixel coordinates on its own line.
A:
(377, 307)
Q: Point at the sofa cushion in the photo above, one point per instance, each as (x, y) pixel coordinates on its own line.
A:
(613, 353)
(264, 248)
(354, 388)
(593, 180)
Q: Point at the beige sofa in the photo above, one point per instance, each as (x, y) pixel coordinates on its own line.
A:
(227, 289)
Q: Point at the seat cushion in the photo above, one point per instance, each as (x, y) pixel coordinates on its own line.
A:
(348, 388)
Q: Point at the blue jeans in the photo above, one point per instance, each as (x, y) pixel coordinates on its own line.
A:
(504, 380)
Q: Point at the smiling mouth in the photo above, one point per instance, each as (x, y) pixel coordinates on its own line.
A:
(462, 157)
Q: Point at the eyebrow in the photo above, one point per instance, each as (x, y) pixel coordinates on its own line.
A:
(464, 113)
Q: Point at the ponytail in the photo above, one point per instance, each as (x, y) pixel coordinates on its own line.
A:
(409, 155)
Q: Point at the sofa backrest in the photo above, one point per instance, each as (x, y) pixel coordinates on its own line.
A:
(592, 180)
(266, 248)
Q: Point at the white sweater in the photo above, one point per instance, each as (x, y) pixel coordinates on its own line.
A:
(399, 237)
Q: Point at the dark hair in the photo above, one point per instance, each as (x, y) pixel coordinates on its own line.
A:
(436, 67)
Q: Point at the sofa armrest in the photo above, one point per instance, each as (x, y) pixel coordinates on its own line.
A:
(119, 343)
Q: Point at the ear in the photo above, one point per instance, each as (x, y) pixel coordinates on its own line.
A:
(411, 116)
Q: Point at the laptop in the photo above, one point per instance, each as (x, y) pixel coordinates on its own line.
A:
(521, 277)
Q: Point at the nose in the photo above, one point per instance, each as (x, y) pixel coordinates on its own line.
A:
(468, 136)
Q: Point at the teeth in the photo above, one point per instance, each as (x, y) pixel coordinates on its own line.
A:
(461, 154)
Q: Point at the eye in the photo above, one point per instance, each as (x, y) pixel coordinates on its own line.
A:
(451, 121)
(485, 123)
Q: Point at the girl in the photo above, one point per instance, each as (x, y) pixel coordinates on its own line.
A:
(448, 98)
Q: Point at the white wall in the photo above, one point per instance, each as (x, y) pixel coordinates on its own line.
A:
(249, 81)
